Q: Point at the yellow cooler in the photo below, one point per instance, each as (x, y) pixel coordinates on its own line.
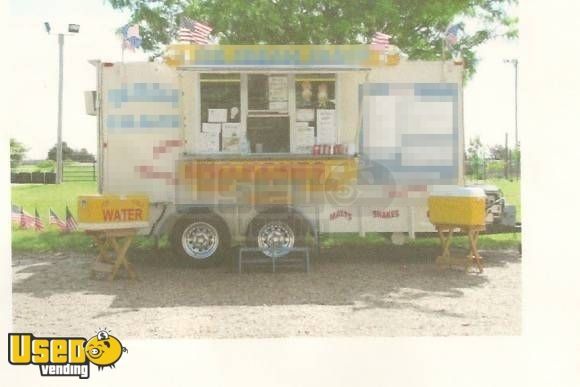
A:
(113, 211)
(462, 206)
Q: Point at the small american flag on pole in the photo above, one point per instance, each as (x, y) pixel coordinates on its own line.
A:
(16, 214)
(71, 223)
(23, 218)
(380, 41)
(193, 31)
(131, 37)
(451, 34)
(38, 225)
(54, 219)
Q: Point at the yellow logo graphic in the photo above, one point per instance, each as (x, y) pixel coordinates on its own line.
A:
(65, 356)
(104, 349)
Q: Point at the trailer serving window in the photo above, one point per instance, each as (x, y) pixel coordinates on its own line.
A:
(220, 100)
(268, 123)
(274, 111)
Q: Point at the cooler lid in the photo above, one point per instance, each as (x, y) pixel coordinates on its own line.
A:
(456, 191)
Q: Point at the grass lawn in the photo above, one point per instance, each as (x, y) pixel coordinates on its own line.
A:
(57, 197)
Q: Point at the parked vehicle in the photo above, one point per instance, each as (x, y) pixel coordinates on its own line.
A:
(268, 145)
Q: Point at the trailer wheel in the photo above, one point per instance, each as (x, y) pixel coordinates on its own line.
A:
(278, 229)
(201, 239)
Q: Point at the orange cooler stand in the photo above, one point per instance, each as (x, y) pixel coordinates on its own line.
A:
(460, 208)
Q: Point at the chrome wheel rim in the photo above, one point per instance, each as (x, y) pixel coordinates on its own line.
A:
(274, 238)
(200, 240)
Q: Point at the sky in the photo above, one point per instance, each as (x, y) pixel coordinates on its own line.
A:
(488, 96)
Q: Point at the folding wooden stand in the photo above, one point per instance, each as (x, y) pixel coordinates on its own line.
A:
(112, 245)
(445, 232)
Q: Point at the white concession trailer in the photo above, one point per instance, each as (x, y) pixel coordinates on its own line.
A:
(266, 145)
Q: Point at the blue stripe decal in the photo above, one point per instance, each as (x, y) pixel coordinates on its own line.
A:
(143, 92)
(120, 122)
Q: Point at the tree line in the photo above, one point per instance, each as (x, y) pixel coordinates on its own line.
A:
(18, 153)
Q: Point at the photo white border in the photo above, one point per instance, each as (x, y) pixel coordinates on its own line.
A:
(547, 353)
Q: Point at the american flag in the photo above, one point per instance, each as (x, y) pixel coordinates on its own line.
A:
(15, 214)
(380, 41)
(54, 219)
(451, 34)
(38, 225)
(193, 31)
(131, 37)
(23, 218)
(71, 223)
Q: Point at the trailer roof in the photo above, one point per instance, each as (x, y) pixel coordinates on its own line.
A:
(294, 57)
(273, 68)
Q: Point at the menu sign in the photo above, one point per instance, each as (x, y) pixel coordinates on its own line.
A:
(326, 126)
(278, 88)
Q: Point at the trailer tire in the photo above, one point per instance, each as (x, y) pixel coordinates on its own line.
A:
(278, 227)
(201, 239)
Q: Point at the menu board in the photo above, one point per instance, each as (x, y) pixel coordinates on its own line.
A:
(232, 129)
(326, 126)
(217, 115)
(230, 144)
(278, 106)
(278, 88)
(304, 138)
(305, 115)
(210, 128)
(209, 142)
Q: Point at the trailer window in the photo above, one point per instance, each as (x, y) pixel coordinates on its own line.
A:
(315, 91)
(315, 111)
(220, 111)
(268, 124)
(269, 134)
(268, 93)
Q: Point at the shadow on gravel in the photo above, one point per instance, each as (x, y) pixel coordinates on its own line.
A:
(365, 278)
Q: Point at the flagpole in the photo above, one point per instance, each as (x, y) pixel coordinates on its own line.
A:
(443, 57)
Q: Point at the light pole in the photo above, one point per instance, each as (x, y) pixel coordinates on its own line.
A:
(515, 63)
(73, 29)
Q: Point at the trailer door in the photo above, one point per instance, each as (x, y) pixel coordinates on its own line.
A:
(410, 134)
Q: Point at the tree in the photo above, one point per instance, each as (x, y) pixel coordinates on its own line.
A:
(17, 153)
(71, 154)
(416, 25)
(497, 152)
(475, 157)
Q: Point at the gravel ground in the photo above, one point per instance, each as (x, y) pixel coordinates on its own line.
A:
(349, 292)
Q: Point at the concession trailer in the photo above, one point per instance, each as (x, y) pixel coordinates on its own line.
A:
(272, 145)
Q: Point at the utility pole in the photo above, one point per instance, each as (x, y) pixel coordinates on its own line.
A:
(514, 62)
(59, 168)
(73, 29)
(507, 157)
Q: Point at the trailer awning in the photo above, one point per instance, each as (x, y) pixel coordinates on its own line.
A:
(273, 68)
